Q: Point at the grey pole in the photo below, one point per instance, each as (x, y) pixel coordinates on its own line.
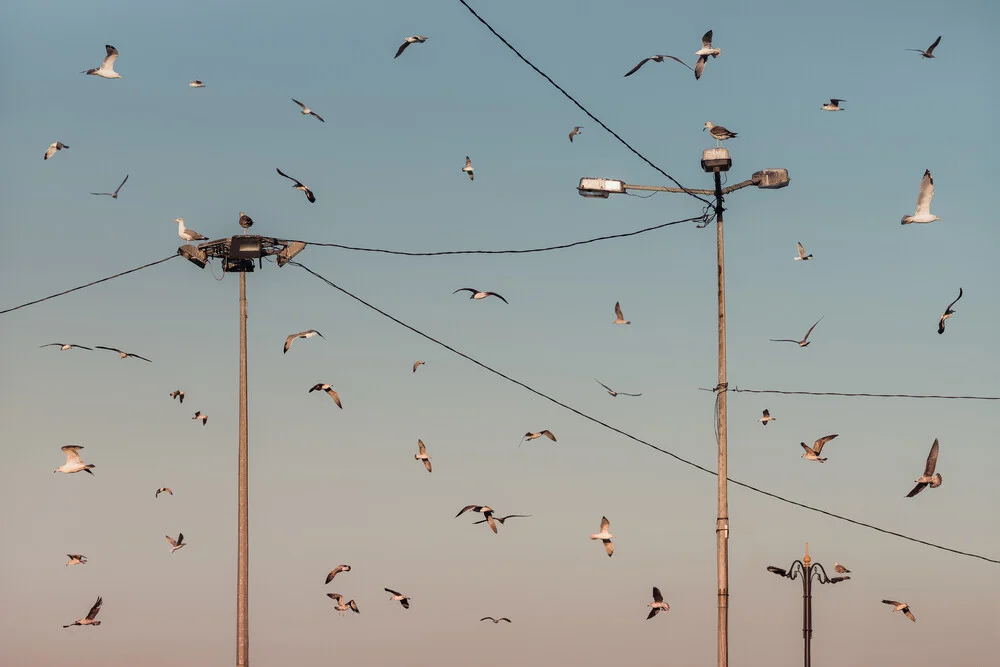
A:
(807, 610)
(722, 522)
(243, 565)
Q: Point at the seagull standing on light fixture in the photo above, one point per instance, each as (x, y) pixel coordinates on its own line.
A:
(53, 147)
(813, 453)
(322, 386)
(801, 343)
(833, 105)
(703, 53)
(802, 253)
(619, 318)
(923, 213)
(113, 195)
(299, 186)
(309, 333)
(107, 68)
(948, 312)
(306, 111)
(73, 461)
(188, 234)
(605, 536)
(658, 605)
(929, 53)
(422, 456)
(718, 132)
(246, 222)
(413, 39)
(929, 477)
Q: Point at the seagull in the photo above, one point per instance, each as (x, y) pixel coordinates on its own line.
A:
(298, 186)
(576, 131)
(948, 312)
(612, 391)
(495, 620)
(188, 234)
(77, 559)
(89, 620)
(501, 519)
(197, 84)
(800, 343)
(657, 604)
(802, 253)
(619, 318)
(337, 570)
(929, 53)
(656, 59)
(837, 567)
(177, 394)
(306, 111)
(813, 453)
(123, 354)
(414, 39)
(476, 294)
(416, 364)
(923, 213)
(486, 510)
(341, 607)
(51, 150)
(309, 333)
(73, 461)
(176, 544)
(422, 456)
(66, 346)
(107, 68)
(328, 389)
(718, 132)
(246, 222)
(834, 105)
(113, 195)
(605, 536)
(929, 476)
(766, 418)
(902, 606)
(202, 417)
(531, 436)
(703, 53)
(163, 489)
(468, 168)
(403, 600)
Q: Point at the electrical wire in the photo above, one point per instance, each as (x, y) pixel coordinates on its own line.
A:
(629, 435)
(864, 395)
(580, 106)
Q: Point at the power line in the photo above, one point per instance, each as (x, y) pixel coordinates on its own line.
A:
(629, 435)
(74, 289)
(580, 106)
(839, 393)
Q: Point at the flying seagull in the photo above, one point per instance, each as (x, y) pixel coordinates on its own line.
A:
(76, 559)
(929, 476)
(802, 253)
(766, 418)
(309, 333)
(414, 39)
(486, 510)
(718, 132)
(403, 600)
(422, 456)
(306, 111)
(656, 59)
(299, 186)
(322, 386)
(531, 436)
(51, 150)
(73, 461)
(163, 489)
(341, 607)
(469, 169)
(416, 364)
(201, 416)
(197, 84)
(619, 318)
(246, 222)
(501, 519)
(188, 234)
(923, 213)
(576, 131)
(948, 312)
(801, 343)
(113, 195)
(657, 604)
(703, 53)
(837, 567)
(337, 570)
(177, 394)
(495, 620)
(122, 354)
(65, 346)
(833, 105)
(176, 544)
(929, 53)
(902, 606)
(107, 68)
(476, 294)
(612, 391)
(605, 536)
(92, 614)
(813, 453)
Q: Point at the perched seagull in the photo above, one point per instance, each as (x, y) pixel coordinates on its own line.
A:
(77, 559)
(612, 391)
(902, 606)
(531, 436)
(197, 84)
(605, 536)
(414, 39)
(107, 68)
(576, 131)
(416, 364)
(718, 132)
(202, 417)
(113, 195)
(122, 354)
(309, 333)
(337, 570)
(403, 600)
(501, 519)
(92, 614)
(299, 186)
(929, 476)
(948, 312)
(66, 346)
(422, 456)
(177, 394)
(176, 544)
(306, 111)
(328, 389)
(51, 150)
(73, 461)
(246, 222)
(802, 253)
(486, 510)
(840, 569)
(800, 343)
(476, 294)
(923, 213)
(468, 168)
(766, 418)
(188, 234)
(703, 53)
(656, 59)
(813, 453)
(341, 607)
(495, 620)
(929, 53)
(834, 105)
(163, 489)
(657, 604)
(619, 318)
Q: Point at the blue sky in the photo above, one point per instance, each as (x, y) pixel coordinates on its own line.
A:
(331, 486)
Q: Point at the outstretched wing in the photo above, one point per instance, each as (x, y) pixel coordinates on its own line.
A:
(933, 46)
(806, 337)
(97, 605)
(497, 296)
(657, 597)
(636, 68)
(113, 349)
(605, 524)
(72, 455)
(401, 49)
(109, 60)
(946, 310)
(389, 590)
(818, 447)
(288, 177)
(931, 459)
(926, 193)
(706, 40)
(618, 310)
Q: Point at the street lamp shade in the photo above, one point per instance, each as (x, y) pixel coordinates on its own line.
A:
(600, 188)
(290, 251)
(771, 179)
(193, 255)
(834, 580)
(245, 247)
(777, 570)
(715, 159)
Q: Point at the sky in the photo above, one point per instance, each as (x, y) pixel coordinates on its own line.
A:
(330, 486)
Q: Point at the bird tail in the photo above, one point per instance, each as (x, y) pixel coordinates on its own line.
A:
(87, 468)
(904, 220)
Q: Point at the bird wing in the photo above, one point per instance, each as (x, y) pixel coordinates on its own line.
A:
(97, 605)
(818, 447)
(892, 602)
(802, 251)
(906, 610)
(807, 448)
(657, 597)
(653, 612)
(113, 349)
(699, 66)
(288, 342)
(415, 365)
(309, 195)
(420, 444)
(931, 459)
(622, 393)
(766, 413)
(304, 107)
(427, 464)
(72, 455)
(926, 193)
(933, 46)
(676, 59)
(173, 542)
(474, 508)
(504, 618)
(465, 289)
(618, 311)
(50, 344)
(110, 194)
(297, 183)
(806, 337)
(547, 433)
(605, 524)
(497, 296)
(916, 489)
(487, 618)
(335, 397)
(122, 183)
(336, 596)
(401, 49)
(946, 310)
(603, 385)
(389, 590)
(512, 516)
(317, 116)
(836, 101)
(782, 340)
(636, 68)
(129, 354)
(468, 162)
(405, 602)
(109, 60)
(354, 607)
(706, 40)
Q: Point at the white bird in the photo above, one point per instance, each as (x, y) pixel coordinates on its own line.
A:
(801, 343)
(309, 333)
(163, 489)
(469, 169)
(197, 84)
(177, 394)
(923, 213)
(337, 570)
(476, 294)
(417, 364)
(322, 386)
(122, 353)
(929, 476)
(929, 53)
(837, 567)
(51, 150)
(948, 312)
(531, 436)
(422, 456)
(802, 253)
(246, 222)
(612, 391)
(703, 53)
(486, 511)
(576, 131)
(107, 68)
(718, 132)
(619, 318)
(403, 600)
(200, 415)
(341, 607)
(113, 195)
(766, 418)
(813, 453)
(306, 111)
(73, 461)
(91, 615)
(77, 559)
(65, 346)
(188, 234)
(413, 39)
(656, 59)
(657, 604)
(902, 606)
(176, 544)
(495, 620)
(833, 105)
(605, 536)
(299, 186)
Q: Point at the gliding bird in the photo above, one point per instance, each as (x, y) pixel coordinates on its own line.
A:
(73, 461)
(51, 150)
(766, 418)
(902, 606)
(306, 111)
(309, 333)
(923, 213)
(657, 59)
(476, 294)
(495, 620)
(113, 195)
(122, 354)
(531, 436)
(619, 318)
(703, 53)
(657, 604)
(341, 607)
(163, 489)
(929, 53)
(413, 39)
(469, 169)
(576, 131)
(929, 477)
(107, 68)
(834, 105)
(203, 417)
(813, 453)
(65, 346)
(337, 570)
(322, 386)
(801, 343)
(77, 559)
(91, 615)
(422, 456)
(486, 510)
(299, 186)
(948, 312)
(177, 394)
(802, 253)
(403, 600)
(612, 391)
(176, 544)
(605, 536)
